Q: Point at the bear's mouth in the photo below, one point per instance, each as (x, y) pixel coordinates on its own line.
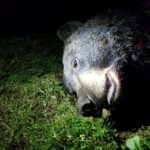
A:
(112, 87)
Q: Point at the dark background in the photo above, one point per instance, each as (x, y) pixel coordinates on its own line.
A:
(23, 16)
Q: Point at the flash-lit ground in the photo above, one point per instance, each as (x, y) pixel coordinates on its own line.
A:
(35, 110)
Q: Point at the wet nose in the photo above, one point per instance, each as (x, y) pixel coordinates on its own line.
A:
(89, 108)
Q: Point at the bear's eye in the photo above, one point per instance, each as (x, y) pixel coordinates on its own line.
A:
(75, 63)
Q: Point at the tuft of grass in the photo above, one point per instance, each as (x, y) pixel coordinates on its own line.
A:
(35, 110)
(73, 132)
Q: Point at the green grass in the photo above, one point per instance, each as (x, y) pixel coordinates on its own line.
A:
(36, 112)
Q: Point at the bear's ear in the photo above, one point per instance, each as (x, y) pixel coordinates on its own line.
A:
(67, 29)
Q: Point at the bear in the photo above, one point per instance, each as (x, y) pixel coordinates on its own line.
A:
(106, 64)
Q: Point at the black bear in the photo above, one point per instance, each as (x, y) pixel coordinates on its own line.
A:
(106, 64)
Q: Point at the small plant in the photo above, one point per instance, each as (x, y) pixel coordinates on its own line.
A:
(138, 143)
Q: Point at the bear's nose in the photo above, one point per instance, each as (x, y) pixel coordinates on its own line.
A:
(88, 108)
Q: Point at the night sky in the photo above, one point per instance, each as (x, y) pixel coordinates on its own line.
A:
(19, 16)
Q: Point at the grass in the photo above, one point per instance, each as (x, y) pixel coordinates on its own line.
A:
(36, 112)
